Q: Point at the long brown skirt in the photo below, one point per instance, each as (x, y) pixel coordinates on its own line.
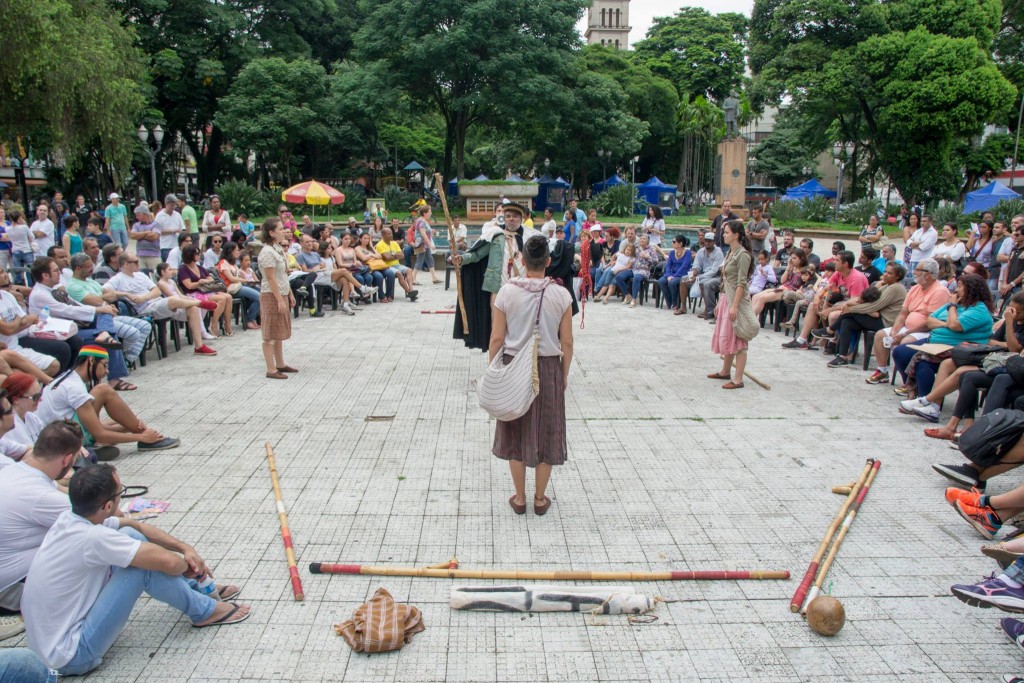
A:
(276, 326)
(537, 438)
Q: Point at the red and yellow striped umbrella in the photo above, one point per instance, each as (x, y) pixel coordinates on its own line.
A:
(312, 192)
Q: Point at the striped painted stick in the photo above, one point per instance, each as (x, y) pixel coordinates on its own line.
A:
(286, 535)
(847, 523)
(812, 568)
(525, 575)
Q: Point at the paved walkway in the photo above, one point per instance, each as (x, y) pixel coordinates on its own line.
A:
(666, 471)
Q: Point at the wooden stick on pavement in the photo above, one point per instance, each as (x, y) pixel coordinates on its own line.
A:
(286, 535)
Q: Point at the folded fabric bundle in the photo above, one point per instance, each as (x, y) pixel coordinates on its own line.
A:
(381, 624)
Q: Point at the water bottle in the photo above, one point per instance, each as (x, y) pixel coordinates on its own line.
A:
(208, 587)
(44, 315)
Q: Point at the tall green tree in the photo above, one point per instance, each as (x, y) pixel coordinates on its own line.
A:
(903, 80)
(273, 106)
(701, 53)
(62, 95)
(475, 61)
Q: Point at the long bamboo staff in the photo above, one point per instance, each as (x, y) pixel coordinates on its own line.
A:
(439, 184)
(518, 574)
(286, 535)
(850, 516)
(812, 569)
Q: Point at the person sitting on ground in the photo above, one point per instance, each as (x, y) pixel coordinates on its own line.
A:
(109, 257)
(174, 256)
(93, 566)
(194, 278)
(80, 394)
(391, 251)
(677, 268)
(148, 300)
(910, 325)
(228, 269)
(705, 276)
(866, 265)
(845, 284)
(214, 245)
(623, 263)
(967, 318)
(133, 332)
(764, 274)
(30, 503)
(870, 313)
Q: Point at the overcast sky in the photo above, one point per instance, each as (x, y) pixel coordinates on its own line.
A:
(642, 12)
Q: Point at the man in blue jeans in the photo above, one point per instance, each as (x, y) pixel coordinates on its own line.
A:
(93, 566)
(18, 665)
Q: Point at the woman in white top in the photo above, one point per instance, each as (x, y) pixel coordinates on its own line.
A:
(20, 237)
(217, 221)
(276, 298)
(537, 439)
(654, 224)
(981, 243)
(950, 245)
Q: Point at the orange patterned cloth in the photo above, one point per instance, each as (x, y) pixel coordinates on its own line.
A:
(381, 625)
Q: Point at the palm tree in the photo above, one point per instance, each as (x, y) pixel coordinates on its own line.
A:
(701, 125)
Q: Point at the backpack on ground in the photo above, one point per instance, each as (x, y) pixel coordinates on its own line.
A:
(992, 436)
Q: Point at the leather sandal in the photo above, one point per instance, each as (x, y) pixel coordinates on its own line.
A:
(518, 509)
(287, 368)
(276, 375)
(718, 375)
(541, 510)
(732, 385)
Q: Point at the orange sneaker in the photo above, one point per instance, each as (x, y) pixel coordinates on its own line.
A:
(971, 497)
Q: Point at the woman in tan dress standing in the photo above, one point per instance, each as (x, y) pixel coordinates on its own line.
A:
(734, 309)
(276, 298)
(537, 439)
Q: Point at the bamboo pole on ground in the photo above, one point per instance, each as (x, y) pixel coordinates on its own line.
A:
(286, 534)
(847, 523)
(812, 568)
(528, 575)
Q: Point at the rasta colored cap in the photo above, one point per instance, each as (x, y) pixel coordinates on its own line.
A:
(94, 351)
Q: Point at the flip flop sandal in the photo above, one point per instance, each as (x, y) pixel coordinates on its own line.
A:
(224, 620)
(121, 385)
(518, 509)
(227, 596)
(938, 434)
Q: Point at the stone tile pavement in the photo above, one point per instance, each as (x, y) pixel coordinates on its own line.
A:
(666, 471)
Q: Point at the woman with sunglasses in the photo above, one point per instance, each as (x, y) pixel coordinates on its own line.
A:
(214, 246)
(23, 392)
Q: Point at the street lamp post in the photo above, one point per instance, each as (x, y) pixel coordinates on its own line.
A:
(633, 162)
(158, 138)
(807, 172)
(600, 157)
(839, 157)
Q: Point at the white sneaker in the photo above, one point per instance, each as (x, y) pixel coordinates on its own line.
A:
(930, 411)
(347, 309)
(914, 403)
(366, 290)
(11, 626)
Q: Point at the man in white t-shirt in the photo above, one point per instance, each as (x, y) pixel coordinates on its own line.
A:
(174, 257)
(169, 224)
(30, 502)
(43, 231)
(91, 569)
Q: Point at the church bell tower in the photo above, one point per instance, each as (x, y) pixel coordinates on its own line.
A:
(608, 24)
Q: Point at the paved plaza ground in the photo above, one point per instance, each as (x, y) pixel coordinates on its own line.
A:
(666, 471)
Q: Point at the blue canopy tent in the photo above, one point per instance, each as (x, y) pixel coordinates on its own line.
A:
(610, 182)
(513, 178)
(658, 193)
(550, 194)
(453, 187)
(809, 189)
(481, 177)
(988, 196)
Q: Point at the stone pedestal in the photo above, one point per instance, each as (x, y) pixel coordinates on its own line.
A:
(731, 166)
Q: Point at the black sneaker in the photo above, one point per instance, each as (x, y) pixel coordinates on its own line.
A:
(838, 362)
(107, 453)
(166, 442)
(823, 333)
(964, 475)
(795, 344)
(413, 294)
(316, 314)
